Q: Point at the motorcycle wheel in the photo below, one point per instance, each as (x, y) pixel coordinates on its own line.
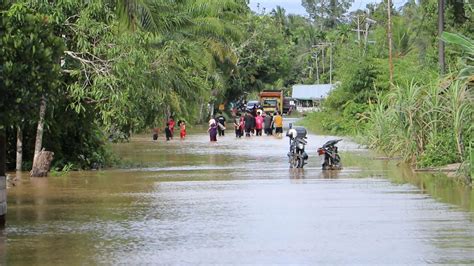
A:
(300, 162)
(337, 164)
(295, 162)
(325, 165)
(292, 161)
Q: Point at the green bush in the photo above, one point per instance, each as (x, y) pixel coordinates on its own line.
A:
(440, 150)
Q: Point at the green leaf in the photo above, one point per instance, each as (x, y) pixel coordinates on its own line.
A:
(459, 39)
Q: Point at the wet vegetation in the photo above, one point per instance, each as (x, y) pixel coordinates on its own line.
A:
(105, 69)
(424, 114)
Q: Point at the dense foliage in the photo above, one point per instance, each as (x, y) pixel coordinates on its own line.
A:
(111, 68)
(423, 116)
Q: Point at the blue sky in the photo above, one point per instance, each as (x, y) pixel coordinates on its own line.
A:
(295, 7)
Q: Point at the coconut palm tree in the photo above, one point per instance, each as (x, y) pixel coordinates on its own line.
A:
(196, 35)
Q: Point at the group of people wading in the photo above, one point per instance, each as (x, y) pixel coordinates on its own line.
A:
(252, 123)
(258, 123)
(255, 122)
(169, 129)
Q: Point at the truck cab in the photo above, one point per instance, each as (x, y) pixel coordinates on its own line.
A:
(271, 100)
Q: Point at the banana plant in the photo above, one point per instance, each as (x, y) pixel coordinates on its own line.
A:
(467, 71)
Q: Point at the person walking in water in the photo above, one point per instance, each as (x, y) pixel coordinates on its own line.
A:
(212, 120)
(267, 124)
(168, 133)
(182, 129)
(220, 124)
(278, 121)
(238, 133)
(249, 123)
(212, 132)
(171, 125)
(241, 125)
(258, 123)
(155, 133)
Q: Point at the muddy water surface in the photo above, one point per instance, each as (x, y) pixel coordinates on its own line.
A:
(236, 201)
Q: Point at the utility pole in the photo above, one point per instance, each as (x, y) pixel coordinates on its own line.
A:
(358, 30)
(317, 67)
(389, 35)
(442, 65)
(363, 19)
(330, 63)
(323, 58)
(368, 21)
(323, 46)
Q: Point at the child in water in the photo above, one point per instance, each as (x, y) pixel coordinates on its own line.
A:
(182, 129)
(168, 132)
(155, 133)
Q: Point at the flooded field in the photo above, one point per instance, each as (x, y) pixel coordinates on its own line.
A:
(237, 202)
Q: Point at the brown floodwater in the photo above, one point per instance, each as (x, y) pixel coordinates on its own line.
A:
(237, 202)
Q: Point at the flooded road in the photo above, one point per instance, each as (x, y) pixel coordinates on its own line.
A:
(237, 202)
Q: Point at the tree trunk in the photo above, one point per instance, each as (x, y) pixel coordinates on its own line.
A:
(389, 35)
(333, 14)
(211, 110)
(3, 179)
(39, 130)
(441, 60)
(201, 110)
(42, 164)
(19, 148)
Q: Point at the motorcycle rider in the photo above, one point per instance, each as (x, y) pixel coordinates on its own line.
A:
(297, 154)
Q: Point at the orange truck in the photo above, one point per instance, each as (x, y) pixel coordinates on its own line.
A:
(271, 100)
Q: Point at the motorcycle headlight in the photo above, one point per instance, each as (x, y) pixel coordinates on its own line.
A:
(300, 146)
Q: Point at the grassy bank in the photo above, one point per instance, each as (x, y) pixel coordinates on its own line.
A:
(313, 123)
(427, 126)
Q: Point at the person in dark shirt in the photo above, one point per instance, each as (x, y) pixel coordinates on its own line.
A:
(221, 124)
(267, 123)
(171, 125)
(168, 133)
(249, 124)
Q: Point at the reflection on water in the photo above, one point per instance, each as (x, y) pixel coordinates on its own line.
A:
(238, 202)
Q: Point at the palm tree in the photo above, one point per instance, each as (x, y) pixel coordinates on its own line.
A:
(280, 17)
(196, 35)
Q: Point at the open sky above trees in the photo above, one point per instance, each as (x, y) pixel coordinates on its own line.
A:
(295, 7)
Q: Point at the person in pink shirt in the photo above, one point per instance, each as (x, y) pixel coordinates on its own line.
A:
(259, 123)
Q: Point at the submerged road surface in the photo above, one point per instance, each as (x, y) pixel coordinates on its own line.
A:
(237, 202)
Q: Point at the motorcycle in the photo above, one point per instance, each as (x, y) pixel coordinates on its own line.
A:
(297, 156)
(332, 160)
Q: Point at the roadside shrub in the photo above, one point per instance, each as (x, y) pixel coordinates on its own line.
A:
(426, 125)
(440, 150)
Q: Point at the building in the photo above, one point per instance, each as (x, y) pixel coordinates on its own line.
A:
(309, 97)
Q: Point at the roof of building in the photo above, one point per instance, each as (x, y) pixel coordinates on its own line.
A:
(308, 92)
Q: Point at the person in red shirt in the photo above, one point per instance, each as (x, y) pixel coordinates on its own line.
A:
(182, 129)
(171, 125)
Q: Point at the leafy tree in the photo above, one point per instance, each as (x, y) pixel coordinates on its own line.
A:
(30, 70)
(30, 60)
(326, 13)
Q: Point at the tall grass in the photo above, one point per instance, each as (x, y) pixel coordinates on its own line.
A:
(427, 125)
